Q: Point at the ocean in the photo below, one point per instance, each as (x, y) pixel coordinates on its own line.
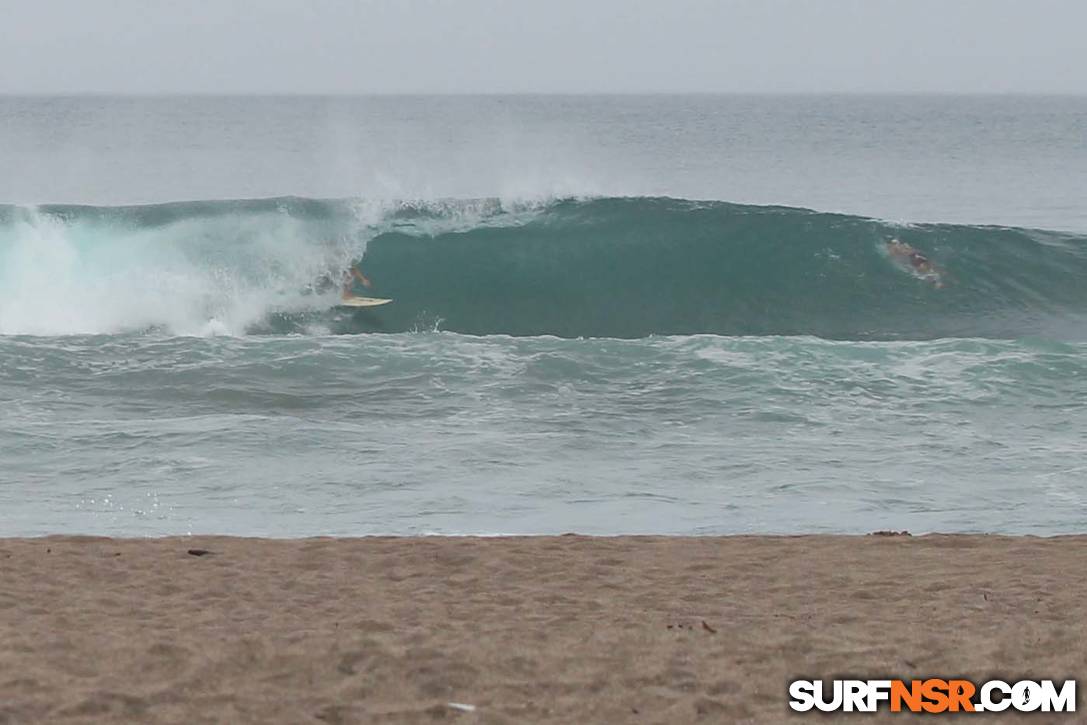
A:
(611, 314)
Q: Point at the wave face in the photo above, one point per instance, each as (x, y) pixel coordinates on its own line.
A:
(606, 267)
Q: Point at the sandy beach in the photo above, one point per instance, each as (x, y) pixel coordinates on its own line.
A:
(565, 629)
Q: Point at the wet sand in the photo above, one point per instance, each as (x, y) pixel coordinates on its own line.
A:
(565, 629)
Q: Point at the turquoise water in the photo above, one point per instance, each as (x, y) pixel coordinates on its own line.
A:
(627, 350)
(597, 267)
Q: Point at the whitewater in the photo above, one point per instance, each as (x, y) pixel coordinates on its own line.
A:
(611, 315)
(604, 267)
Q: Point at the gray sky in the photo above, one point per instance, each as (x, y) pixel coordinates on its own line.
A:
(404, 46)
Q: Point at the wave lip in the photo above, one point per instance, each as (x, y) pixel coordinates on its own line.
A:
(603, 267)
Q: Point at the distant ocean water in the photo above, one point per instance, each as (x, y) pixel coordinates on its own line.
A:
(611, 315)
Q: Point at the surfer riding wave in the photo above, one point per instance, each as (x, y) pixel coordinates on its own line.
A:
(350, 276)
(346, 284)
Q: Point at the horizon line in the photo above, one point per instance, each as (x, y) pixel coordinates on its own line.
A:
(477, 94)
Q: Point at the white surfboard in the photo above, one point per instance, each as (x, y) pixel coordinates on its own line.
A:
(363, 302)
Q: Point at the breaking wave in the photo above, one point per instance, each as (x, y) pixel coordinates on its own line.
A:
(603, 267)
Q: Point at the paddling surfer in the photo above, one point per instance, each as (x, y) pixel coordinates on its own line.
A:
(922, 265)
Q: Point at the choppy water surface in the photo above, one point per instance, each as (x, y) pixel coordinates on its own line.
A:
(438, 432)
